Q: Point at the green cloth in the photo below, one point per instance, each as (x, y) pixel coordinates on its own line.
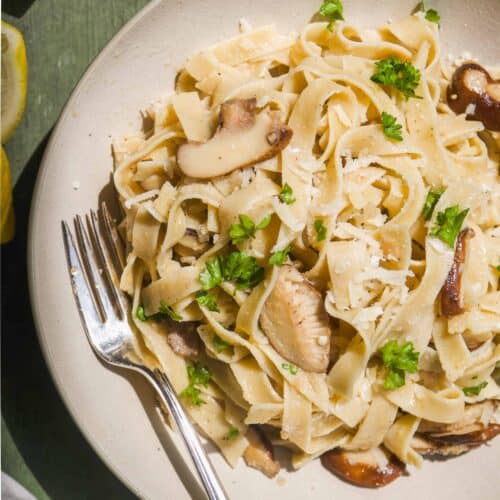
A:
(41, 446)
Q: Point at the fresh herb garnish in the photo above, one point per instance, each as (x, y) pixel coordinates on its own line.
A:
(498, 268)
(164, 310)
(448, 224)
(320, 229)
(246, 228)
(286, 194)
(474, 390)
(211, 276)
(237, 266)
(289, 367)
(233, 433)
(431, 15)
(391, 128)
(430, 202)
(198, 375)
(278, 258)
(220, 344)
(208, 300)
(243, 269)
(396, 73)
(333, 10)
(398, 360)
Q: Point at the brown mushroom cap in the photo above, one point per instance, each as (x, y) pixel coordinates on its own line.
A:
(473, 86)
(451, 297)
(242, 138)
(362, 468)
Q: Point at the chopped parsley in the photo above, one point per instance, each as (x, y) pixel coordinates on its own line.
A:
(211, 276)
(430, 202)
(164, 310)
(197, 375)
(431, 15)
(393, 72)
(289, 367)
(398, 360)
(448, 224)
(333, 10)
(246, 228)
(237, 266)
(474, 390)
(220, 344)
(320, 229)
(278, 258)
(391, 128)
(233, 433)
(498, 268)
(208, 300)
(286, 194)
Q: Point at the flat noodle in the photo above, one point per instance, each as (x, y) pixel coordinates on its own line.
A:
(352, 224)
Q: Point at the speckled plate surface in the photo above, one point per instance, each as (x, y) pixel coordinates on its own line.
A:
(116, 411)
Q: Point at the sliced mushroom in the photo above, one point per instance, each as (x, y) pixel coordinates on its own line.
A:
(451, 297)
(242, 138)
(183, 338)
(369, 469)
(476, 427)
(259, 454)
(473, 91)
(296, 322)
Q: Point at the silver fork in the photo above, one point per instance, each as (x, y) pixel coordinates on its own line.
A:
(104, 311)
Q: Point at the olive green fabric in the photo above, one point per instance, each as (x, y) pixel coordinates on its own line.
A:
(41, 446)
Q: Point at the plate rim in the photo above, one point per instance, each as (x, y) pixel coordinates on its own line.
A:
(30, 250)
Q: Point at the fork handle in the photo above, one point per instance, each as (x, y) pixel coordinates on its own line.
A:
(208, 476)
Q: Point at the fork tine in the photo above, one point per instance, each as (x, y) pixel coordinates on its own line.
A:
(81, 290)
(109, 267)
(113, 237)
(94, 270)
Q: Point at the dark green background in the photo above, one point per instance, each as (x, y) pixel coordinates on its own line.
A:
(41, 446)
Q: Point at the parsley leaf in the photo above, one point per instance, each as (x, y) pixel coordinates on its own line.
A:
(474, 390)
(398, 359)
(197, 375)
(289, 367)
(394, 72)
(286, 194)
(391, 128)
(166, 310)
(211, 276)
(433, 16)
(320, 229)
(244, 269)
(140, 314)
(246, 228)
(220, 344)
(498, 268)
(430, 202)
(333, 10)
(208, 300)
(233, 433)
(278, 258)
(448, 224)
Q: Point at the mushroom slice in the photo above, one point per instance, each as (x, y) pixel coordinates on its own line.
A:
(473, 91)
(242, 138)
(259, 454)
(296, 322)
(451, 297)
(369, 469)
(183, 338)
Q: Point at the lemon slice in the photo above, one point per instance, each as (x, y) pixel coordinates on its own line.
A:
(14, 79)
(6, 210)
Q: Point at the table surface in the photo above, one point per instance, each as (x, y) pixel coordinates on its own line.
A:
(41, 446)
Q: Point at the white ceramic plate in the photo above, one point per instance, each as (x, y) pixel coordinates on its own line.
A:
(115, 410)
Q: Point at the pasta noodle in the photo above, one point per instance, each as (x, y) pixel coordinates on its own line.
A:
(338, 208)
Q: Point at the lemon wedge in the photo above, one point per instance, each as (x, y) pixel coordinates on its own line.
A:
(6, 210)
(14, 80)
